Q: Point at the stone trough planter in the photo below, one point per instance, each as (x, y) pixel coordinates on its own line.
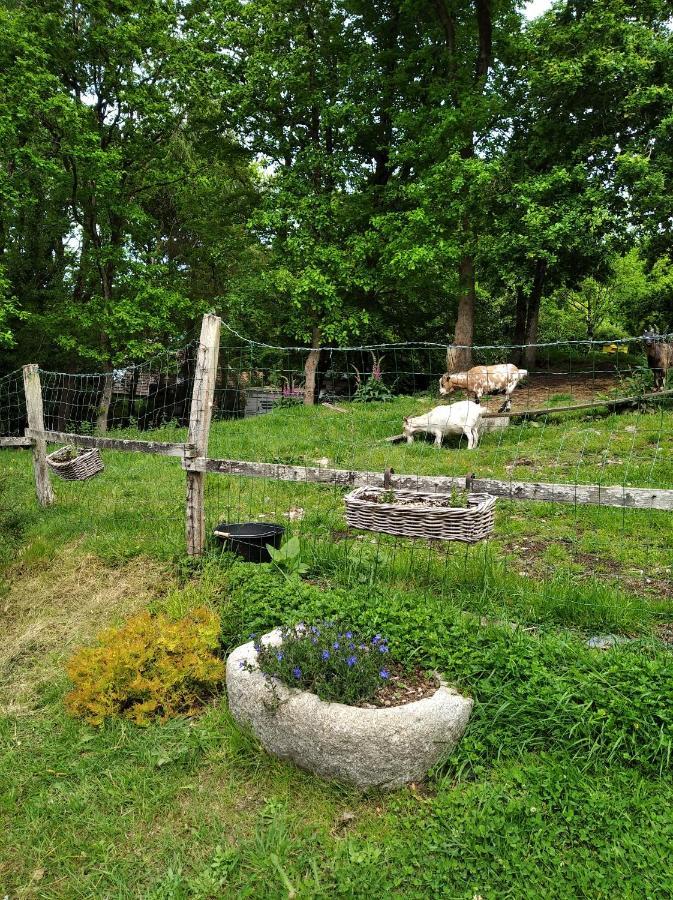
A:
(382, 748)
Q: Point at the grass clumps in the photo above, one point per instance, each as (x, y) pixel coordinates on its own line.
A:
(340, 666)
(533, 692)
(151, 668)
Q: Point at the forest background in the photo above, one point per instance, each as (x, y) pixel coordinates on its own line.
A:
(331, 172)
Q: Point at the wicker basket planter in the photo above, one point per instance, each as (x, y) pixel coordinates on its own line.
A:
(75, 464)
(421, 515)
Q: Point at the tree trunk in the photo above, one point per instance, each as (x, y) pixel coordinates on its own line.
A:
(519, 337)
(530, 350)
(311, 368)
(104, 405)
(460, 356)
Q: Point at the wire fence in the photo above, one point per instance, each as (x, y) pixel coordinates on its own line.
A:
(567, 562)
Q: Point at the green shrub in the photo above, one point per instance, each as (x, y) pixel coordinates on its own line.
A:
(532, 692)
(372, 391)
(150, 668)
(339, 666)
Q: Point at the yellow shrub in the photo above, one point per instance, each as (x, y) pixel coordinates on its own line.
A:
(151, 668)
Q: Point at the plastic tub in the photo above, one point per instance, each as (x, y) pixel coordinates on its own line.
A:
(249, 539)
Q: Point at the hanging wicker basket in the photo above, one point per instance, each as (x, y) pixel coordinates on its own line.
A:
(75, 463)
(421, 515)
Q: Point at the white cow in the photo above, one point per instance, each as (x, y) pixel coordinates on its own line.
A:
(454, 418)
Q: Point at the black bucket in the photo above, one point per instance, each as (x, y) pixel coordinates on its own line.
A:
(249, 539)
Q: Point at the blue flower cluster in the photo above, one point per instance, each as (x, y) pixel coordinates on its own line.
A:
(337, 664)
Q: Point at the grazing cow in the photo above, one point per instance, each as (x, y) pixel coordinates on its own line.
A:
(454, 418)
(659, 357)
(480, 380)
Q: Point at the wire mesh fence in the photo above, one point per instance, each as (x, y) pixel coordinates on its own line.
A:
(571, 563)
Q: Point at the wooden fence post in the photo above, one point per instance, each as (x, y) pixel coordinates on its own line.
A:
(35, 414)
(203, 395)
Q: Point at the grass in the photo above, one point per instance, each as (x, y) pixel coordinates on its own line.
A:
(561, 786)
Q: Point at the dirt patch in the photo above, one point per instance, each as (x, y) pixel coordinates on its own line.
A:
(602, 567)
(49, 610)
(565, 389)
(403, 687)
(664, 632)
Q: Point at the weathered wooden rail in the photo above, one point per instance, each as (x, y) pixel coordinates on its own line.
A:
(127, 445)
(16, 442)
(592, 494)
(599, 403)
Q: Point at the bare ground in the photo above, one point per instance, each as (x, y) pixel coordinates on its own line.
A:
(54, 607)
(539, 390)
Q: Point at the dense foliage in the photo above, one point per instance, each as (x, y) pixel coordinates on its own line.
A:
(545, 692)
(150, 668)
(330, 171)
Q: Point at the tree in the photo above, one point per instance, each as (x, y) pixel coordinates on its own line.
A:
(116, 169)
(283, 83)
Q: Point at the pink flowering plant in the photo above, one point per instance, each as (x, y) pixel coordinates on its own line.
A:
(339, 665)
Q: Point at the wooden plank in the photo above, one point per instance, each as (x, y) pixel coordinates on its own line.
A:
(15, 442)
(591, 494)
(203, 396)
(614, 401)
(582, 494)
(131, 446)
(35, 414)
(320, 475)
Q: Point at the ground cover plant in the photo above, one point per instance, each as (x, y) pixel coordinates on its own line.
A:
(150, 668)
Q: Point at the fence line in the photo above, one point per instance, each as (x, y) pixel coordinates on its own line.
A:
(400, 345)
(196, 377)
(618, 496)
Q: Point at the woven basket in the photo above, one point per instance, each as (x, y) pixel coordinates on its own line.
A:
(444, 523)
(85, 465)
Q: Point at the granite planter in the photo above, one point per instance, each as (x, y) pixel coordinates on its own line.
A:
(383, 747)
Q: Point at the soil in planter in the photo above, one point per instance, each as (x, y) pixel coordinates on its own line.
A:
(69, 455)
(402, 687)
(458, 500)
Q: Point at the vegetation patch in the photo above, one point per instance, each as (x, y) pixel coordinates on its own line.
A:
(151, 668)
(337, 664)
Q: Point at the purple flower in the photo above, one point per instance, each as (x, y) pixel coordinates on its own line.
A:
(349, 635)
(384, 673)
(351, 661)
(315, 630)
(314, 640)
(279, 656)
(296, 672)
(351, 646)
(376, 639)
(241, 664)
(257, 646)
(325, 654)
(336, 645)
(383, 648)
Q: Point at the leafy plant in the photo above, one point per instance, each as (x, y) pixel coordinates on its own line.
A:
(150, 668)
(288, 557)
(373, 390)
(338, 665)
(546, 690)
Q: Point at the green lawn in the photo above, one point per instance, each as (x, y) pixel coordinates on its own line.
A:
(561, 786)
